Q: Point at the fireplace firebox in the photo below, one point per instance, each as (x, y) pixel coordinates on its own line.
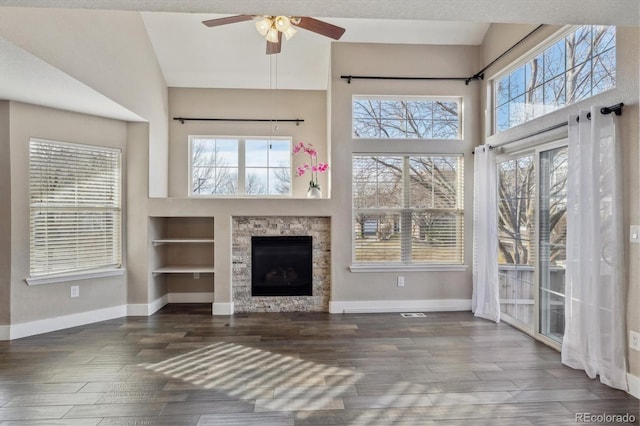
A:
(281, 266)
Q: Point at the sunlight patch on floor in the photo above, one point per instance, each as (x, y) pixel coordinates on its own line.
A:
(245, 372)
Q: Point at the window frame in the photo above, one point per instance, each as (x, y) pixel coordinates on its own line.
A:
(409, 98)
(241, 152)
(540, 50)
(405, 262)
(45, 274)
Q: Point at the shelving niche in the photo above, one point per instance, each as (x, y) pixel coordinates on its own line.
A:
(182, 252)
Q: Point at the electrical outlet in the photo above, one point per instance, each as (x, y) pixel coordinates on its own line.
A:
(75, 291)
(400, 281)
(634, 340)
(634, 234)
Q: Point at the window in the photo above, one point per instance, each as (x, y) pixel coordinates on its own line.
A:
(74, 207)
(244, 166)
(408, 209)
(406, 118)
(578, 66)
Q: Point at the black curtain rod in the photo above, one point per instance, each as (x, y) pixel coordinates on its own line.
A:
(616, 109)
(257, 120)
(377, 77)
(476, 77)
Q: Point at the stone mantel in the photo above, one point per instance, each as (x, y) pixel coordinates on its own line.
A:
(244, 227)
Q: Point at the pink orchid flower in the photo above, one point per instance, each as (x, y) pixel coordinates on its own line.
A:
(315, 167)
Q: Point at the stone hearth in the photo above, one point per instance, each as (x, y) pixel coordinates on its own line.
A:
(244, 227)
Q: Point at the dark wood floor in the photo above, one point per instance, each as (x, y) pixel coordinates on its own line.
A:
(184, 367)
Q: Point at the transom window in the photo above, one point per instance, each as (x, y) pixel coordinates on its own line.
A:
(75, 212)
(579, 65)
(240, 166)
(408, 209)
(406, 118)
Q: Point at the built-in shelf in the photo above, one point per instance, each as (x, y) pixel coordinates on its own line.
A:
(158, 242)
(182, 246)
(184, 269)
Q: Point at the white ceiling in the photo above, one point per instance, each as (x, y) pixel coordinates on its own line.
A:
(193, 55)
(233, 56)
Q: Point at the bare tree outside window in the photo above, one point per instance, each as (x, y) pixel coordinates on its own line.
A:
(214, 166)
(408, 208)
(578, 66)
(217, 165)
(379, 118)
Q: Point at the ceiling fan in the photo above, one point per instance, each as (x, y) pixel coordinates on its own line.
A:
(273, 27)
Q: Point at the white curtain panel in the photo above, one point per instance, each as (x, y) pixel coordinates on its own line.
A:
(594, 336)
(485, 299)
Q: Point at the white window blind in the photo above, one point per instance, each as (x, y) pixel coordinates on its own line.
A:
(75, 207)
(408, 209)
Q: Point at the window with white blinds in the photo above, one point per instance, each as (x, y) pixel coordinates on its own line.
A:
(75, 207)
(408, 209)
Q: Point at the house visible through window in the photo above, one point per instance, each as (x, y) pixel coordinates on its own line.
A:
(75, 211)
(579, 65)
(406, 118)
(240, 166)
(408, 209)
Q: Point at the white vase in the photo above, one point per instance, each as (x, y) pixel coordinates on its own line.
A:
(314, 193)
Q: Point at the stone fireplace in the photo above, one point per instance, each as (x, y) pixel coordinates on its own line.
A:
(245, 228)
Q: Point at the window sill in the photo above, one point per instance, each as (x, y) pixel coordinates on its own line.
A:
(407, 268)
(85, 275)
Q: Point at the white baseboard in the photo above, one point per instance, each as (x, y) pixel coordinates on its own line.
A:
(5, 332)
(32, 328)
(222, 309)
(377, 306)
(634, 385)
(191, 297)
(147, 309)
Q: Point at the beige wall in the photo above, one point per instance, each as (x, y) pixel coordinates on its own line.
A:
(108, 51)
(5, 215)
(140, 289)
(627, 91)
(37, 302)
(397, 60)
(259, 104)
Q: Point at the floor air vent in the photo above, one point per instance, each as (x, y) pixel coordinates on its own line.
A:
(413, 315)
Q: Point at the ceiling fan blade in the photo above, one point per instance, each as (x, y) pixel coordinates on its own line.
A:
(321, 27)
(228, 20)
(273, 48)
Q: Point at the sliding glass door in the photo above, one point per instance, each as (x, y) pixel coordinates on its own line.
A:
(532, 194)
(552, 236)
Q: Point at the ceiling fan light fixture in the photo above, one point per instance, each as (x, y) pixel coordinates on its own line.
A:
(263, 25)
(272, 35)
(289, 32)
(282, 23)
